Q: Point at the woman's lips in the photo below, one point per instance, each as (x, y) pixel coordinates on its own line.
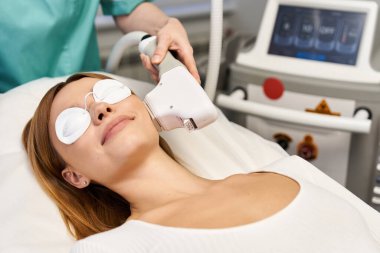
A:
(115, 126)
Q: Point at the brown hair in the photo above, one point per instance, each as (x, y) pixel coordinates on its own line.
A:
(85, 211)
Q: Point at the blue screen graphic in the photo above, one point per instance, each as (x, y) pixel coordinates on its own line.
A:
(317, 34)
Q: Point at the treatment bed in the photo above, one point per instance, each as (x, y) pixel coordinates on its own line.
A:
(31, 223)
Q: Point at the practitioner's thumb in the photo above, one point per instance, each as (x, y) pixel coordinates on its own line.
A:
(163, 44)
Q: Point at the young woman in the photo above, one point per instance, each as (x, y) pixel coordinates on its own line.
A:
(96, 152)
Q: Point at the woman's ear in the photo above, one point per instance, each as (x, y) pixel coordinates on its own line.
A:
(74, 178)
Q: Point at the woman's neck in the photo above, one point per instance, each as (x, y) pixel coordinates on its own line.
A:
(159, 180)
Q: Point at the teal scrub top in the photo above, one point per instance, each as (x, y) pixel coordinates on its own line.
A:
(48, 38)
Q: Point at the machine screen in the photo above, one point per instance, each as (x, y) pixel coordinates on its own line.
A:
(317, 34)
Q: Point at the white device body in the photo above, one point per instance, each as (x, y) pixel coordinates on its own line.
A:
(178, 100)
(258, 57)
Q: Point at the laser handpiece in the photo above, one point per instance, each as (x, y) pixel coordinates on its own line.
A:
(178, 101)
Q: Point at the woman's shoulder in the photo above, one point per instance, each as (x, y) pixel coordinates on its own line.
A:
(248, 195)
(256, 180)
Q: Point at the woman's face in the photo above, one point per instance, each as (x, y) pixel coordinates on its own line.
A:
(118, 137)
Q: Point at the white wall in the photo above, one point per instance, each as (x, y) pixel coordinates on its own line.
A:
(247, 16)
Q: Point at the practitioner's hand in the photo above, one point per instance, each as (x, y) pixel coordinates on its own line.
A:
(172, 36)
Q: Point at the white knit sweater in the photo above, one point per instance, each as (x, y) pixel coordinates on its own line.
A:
(315, 221)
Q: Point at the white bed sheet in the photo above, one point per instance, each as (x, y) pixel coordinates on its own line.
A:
(30, 222)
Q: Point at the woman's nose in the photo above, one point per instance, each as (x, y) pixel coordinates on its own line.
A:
(100, 111)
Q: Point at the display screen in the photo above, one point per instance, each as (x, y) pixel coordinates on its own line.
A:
(317, 34)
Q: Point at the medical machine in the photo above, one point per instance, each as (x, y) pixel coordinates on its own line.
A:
(307, 84)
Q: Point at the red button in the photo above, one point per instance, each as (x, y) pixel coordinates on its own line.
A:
(273, 88)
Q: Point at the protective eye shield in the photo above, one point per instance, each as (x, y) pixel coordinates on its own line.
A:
(72, 122)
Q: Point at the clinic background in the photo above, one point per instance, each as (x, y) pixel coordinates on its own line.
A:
(241, 17)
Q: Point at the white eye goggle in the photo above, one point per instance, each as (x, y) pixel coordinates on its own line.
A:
(72, 122)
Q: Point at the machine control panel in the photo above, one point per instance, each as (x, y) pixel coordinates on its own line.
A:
(317, 34)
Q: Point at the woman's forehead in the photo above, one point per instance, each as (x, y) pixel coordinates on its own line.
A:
(77, 88)
(83, 84)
